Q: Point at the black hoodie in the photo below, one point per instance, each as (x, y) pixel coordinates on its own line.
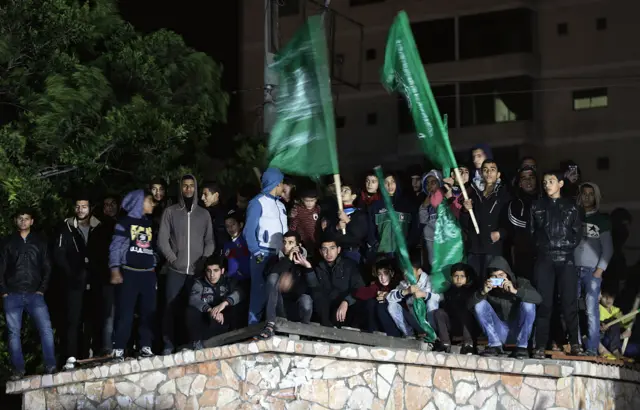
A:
(504, 303)
(491, 214)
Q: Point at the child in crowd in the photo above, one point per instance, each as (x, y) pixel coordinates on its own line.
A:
(556, 228)
(370, 193)
(210, 303)
(453, 315)
(427, 212)
(304, 217)
(374, 299)
(401, 300)
(237, 256)
(610, 343)
(132, 260)
(355, 223)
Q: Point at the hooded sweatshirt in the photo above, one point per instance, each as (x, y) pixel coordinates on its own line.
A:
(428, 213)
(132, 246)
(596, 246)
(506, 304)
(186, 234)
(266, 221)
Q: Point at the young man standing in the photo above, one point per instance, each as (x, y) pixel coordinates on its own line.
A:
(24, 276)
(186, 240)
(79, 246)
(132, 261)
(211, 200)
(490, 207)
(592, 257)
(556, 228)
(264, 228)
(479, 154)
(523, 249)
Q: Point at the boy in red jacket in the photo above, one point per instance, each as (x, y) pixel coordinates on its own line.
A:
(304, 218)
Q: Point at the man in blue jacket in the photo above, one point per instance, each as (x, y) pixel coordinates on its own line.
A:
(264, 229)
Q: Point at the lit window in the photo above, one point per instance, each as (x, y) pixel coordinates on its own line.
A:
(502, 112)
(591, 98)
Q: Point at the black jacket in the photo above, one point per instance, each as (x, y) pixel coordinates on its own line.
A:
(505, 304)
(357, 230)
(79, 262)
(556, 227)
(24, 264)
(301, 275)
(220, 236)
(457, 298)
(491, 214)
(337, 282)
(519, 212)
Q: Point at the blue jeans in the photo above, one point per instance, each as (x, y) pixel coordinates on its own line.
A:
(590, 287)
(258, 297)
(14, 305)
(498, 332)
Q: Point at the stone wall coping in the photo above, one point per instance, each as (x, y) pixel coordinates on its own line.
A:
(541, 368)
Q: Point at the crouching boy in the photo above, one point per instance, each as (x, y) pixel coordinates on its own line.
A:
(211, 301)
(505, 308)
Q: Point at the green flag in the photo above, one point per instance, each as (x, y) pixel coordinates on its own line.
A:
(403, 72)
(303, 140)
(419, 304)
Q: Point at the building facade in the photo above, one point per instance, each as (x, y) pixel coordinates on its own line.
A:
(556, 79)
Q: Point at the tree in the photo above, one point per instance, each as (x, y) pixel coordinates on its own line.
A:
(87, 101)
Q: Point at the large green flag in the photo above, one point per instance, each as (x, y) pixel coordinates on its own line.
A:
(403, 72)
(303, 140)
(419, 304)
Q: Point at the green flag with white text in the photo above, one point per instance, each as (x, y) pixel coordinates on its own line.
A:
(403, 72)
(303, 141)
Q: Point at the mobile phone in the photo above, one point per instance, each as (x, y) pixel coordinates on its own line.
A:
(497, 281)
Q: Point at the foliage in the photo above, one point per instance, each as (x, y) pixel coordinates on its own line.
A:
(85, 101)
(234, 172)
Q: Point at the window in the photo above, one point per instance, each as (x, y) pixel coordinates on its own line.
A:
(371, 54)
(372, 118)
(340, 122)
(355, 3)
(591, 98)
(496, 101)
(496, 33)
(602, 163)
(288, 7)
(601, 24)
(435, 40)
(445, 96)
(563, 29)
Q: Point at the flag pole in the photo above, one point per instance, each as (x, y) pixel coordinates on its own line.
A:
(338, 184)
(466, 197)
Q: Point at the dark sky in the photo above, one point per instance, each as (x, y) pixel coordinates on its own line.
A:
(208, 26)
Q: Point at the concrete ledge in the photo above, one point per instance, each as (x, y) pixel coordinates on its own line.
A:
(266, 368)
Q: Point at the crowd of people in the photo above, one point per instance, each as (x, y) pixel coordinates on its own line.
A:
(544, 268)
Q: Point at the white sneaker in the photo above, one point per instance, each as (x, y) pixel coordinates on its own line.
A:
(146, 352)
(118, 355)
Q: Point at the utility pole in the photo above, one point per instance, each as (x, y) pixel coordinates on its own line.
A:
(270, 49)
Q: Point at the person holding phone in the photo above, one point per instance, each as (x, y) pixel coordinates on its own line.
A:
(505, 307)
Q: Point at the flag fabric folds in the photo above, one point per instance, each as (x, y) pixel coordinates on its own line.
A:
(403, 72)
(303, 141)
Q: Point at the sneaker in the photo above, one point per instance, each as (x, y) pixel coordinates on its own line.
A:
(539, 354)
(146, 352)
(118, 355)
(576, 350)
(591, 353)
(467, 350)
(197, 345)
(492, 351)
(50, 370)
(520, 353)
(17, 375)
(438, 346)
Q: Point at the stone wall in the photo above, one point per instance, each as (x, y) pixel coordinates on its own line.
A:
(287, 374)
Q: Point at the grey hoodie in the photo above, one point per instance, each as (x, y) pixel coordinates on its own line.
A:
(186, 235)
